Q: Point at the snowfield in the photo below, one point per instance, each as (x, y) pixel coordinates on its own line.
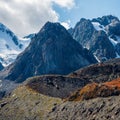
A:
(10, 45)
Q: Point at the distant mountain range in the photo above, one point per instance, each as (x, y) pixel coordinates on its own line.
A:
(101, 36)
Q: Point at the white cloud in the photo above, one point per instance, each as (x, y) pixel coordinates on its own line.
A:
(66, 24)
(28, 16)
(65, 3)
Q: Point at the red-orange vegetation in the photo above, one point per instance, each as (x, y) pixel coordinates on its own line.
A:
(113, 83)
(95, 90)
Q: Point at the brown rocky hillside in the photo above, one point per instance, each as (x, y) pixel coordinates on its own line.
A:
(93, 109)
(55, 85)
(38, 96)
(100, 72)
(26, 104)
(92, 102)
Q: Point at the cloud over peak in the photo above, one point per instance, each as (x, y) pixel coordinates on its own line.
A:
(65, 3)
(28, 16)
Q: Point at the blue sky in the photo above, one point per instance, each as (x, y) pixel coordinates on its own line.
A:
(88, 9)
(28, 16)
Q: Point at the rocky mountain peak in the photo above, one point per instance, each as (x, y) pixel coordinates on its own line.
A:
(105, 20)
(83, 32)
(113, 28)
(51, 51)
(84, 23)
(51, 26)
(101, 36)
(55, 30)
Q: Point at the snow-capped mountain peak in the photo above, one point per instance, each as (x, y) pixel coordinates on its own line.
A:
(10, 45)
(101, 36)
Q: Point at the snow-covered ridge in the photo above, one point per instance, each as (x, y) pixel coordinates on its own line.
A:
(98, 26)
(10, 45)
(114, 42)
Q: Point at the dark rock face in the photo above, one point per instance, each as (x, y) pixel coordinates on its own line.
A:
(1, 66)
(51, 51)
(102, 47)
(114, 28)
(83, 32)
(70, 30)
